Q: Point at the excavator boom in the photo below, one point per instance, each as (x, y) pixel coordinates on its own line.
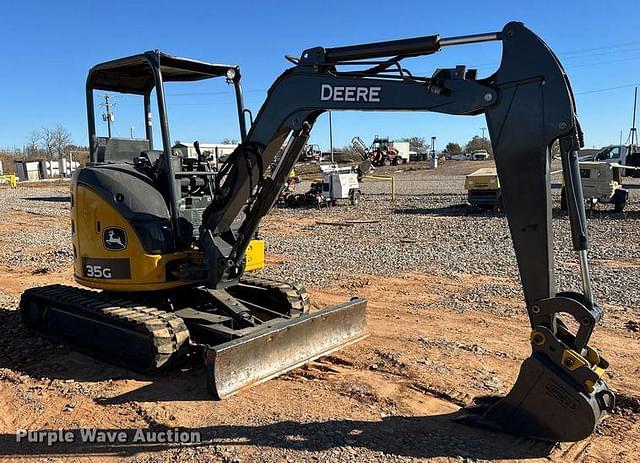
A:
(528, 104)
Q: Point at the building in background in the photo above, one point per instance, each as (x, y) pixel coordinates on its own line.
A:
(44, 169)
(219, 151)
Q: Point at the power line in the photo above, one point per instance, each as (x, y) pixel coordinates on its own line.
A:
(230, 93)
(607, 89)
(584, 50)
(604, 53)
(598, 63)
(604, 47)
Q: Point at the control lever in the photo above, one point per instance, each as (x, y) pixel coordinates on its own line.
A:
(196, 146)
(575, 205)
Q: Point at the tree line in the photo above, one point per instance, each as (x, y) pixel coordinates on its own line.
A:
(45, 143)
(476, 143)
(48, 143)
(422, 145)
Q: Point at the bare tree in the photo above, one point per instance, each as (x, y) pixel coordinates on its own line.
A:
(32, 146)
(344, 149)
(47, 142)
(478, 143)
(62, 139)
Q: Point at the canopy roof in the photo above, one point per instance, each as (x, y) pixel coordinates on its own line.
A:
(135, 74)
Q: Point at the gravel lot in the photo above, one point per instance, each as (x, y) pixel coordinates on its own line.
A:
(424, 230)
(446, 324)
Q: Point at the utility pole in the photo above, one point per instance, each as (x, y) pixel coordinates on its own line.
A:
(331, 136)
(483, 129)
(633, 135)
(434, 158)
(131, 131)
(108, 115)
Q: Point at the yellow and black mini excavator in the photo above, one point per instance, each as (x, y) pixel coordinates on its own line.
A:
(164, 237)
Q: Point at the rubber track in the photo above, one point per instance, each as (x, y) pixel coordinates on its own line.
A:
(297, 296)
(168, 332)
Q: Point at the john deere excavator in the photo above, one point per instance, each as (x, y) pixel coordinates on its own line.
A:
(164, 237)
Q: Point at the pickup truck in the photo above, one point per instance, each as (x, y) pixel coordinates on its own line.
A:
(626, 155)
(479, 155)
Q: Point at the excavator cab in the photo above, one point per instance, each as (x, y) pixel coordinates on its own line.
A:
(137, 218)
(187, 184)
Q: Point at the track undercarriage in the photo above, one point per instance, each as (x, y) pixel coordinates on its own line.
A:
(149, 332)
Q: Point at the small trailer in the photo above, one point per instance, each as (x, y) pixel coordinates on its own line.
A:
(341, 183)
(601, 183)
(483, 189)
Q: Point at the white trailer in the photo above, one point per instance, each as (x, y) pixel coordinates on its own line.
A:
(49, 169)
(404, 150)
(66, 167)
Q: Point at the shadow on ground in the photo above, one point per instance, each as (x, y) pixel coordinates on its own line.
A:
(25, 352)
(49, 199)
(418, 437)
(461, 210)
(422, 437)
(456, 210)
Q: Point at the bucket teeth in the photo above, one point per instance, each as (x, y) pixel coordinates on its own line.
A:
(253, 359)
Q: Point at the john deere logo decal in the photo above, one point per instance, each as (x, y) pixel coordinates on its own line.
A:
(114, 238)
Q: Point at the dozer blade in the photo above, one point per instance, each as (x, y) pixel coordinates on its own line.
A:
(544, 404)
(258, 357)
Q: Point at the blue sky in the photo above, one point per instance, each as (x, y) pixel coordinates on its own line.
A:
(47, 48)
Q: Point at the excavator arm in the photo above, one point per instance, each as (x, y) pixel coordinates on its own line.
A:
(528, 103)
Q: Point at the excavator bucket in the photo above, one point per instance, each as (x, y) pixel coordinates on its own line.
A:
(265, 354)
(544, 404)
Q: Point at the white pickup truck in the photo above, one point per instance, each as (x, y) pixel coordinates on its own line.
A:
(479, 155)
(626, 155)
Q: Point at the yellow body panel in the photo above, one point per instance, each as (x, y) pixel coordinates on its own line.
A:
(91, 214)
(254, 256)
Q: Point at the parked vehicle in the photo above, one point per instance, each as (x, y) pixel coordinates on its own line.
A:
(383, 152)
(601, 183)
(479, 155)
(625, 155)
(311, 153)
